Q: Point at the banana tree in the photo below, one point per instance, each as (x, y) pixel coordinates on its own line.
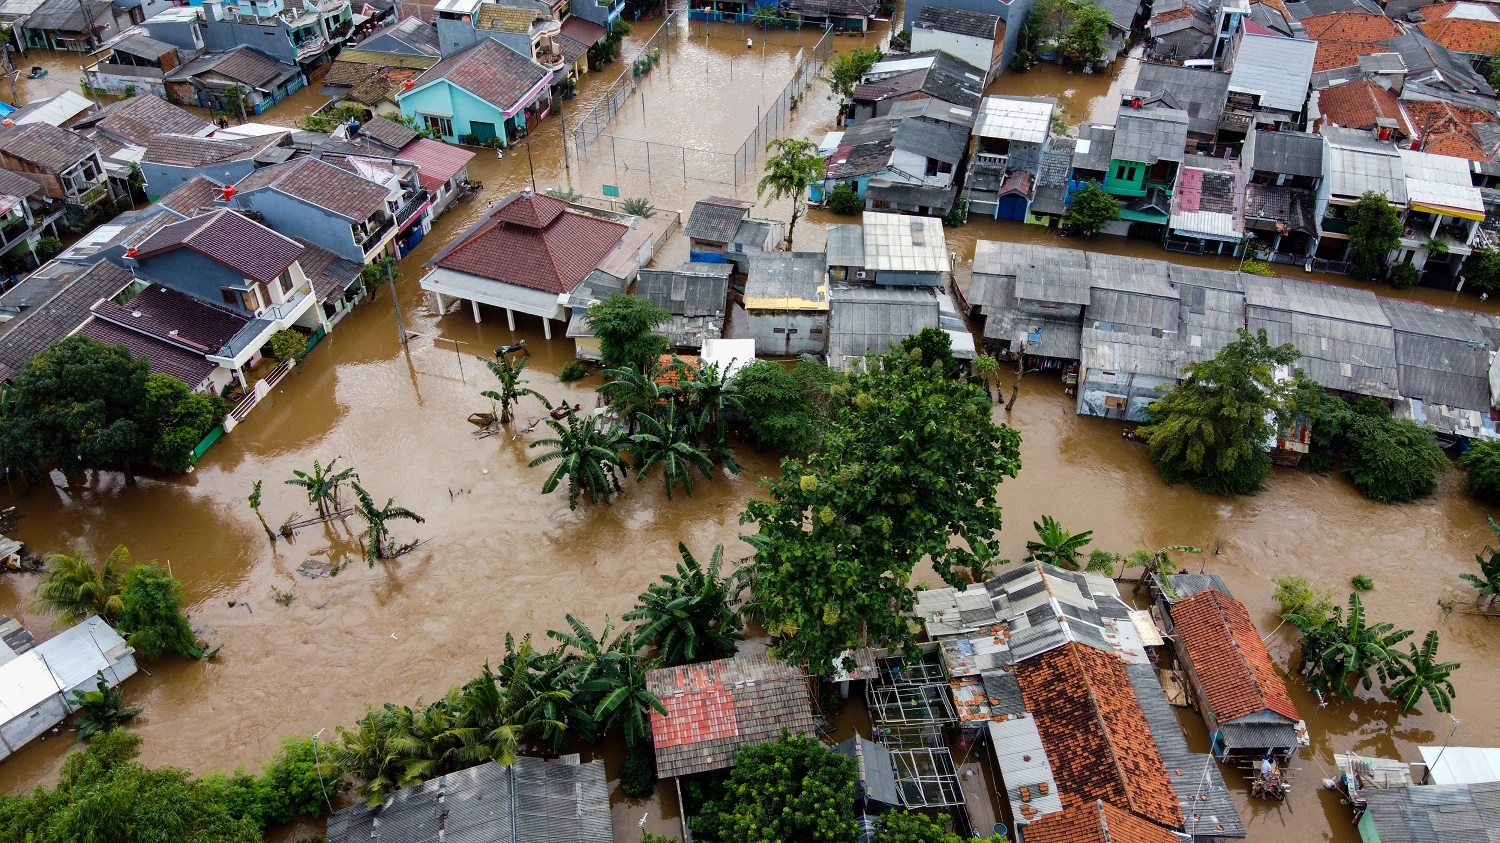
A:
(1421, 673)
(1488, 578)
(1056, 545)
(380, 545)
(322, 485)
(512, 387)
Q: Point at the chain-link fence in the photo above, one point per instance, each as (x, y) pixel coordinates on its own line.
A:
(665, 159)
(592, 123)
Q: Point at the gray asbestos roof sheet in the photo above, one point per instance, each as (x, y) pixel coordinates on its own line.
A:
(1199, 92)
(1345, 338)
(1186, 585)
(1292, 153)
(1442, 357)
(876, 775)
(1358, 163)
(787, 275)
(846, 245)
(1437, 813)
(1279, 69)
(693, 289)
(1095, 147)
(864, 320)
(1150, 135)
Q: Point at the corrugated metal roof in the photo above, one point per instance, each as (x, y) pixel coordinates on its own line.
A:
(901, 243)
(1345, 338)
(1462, 764)
(692, 289)
(1150, 135)
(876, 776)
(1095, 147)
(1358, 163)
(67, 660)
(787, 281)
(1292, 153)
(1441, 181)
(1279, 69)
(1023, 761)
(846, 245)
(1037, 272)
(1442, 357)
(1022, 119)
(868, 320)
(1186, 585)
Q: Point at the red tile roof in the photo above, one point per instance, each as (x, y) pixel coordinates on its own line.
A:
(1462, 35)
(321, 184)
(166, 359)
(193, 197)
(232, 240)
(1333, 55)
(1095, 733)
(1350, 26)
(535, 242)
(1358, 105)
(1231, 662)
(1171, 15)
(585, 32)
(437, 162)
(1096, 822)
(136, 119)
(493, 72)
(175, 317)
(1446, 129)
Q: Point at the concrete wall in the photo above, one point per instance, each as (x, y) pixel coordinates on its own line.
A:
(162, 179)
(1014, 14)
(189, 272)
(772, 331)
(444, 99)
(285, 214)
(454, 35)
(273, 40)
(115, 78)
(983, 53)
(179, 34)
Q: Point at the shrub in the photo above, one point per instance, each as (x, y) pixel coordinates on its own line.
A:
(1255, 267)
(286, 344)
(573, 371)
(1403, 276)
(153, 617)
(1296, 596)
(638, 207)
(1482, 465)
(845, 200)
(957, 215)
(638, 776)
(48, 248)
(564, 194)
(1361, 582)
(1391, 460)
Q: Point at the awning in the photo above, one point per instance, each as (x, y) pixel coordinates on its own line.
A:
(1449, 212)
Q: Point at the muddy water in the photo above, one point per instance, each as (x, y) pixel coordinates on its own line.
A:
(500, 557)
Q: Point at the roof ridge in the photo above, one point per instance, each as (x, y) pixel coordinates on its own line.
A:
(1234, 639)
(1104, 732)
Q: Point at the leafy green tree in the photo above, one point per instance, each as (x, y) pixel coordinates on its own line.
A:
(1404, 276)
(377, 520)
(512, 387)
(374, 753)
(1328, 417)
(1482, 267)
(101, 710)
(1339, 655)
(1488, 578)
(906, 827)
(793, 166)
(48, 248)
(153, 618)
(985, 369)
(1374, 233)
(791, 789)
(907, 469)
(670, 443)
(322, 485)
(712, 396)
(1084, 38)
(1090, 210)
(586, 455)
(934, 345)
(1056, 545)
(843, 72)
(181, 418)
(1212, 428)
(845, 200)
(1391, 460)
(75, 589)
(780, 413)
(688, 615)
(1102, 562)
(1296, 596)
(1481, 464)
(623, 325)
(765, 15)
(1419, 672)
(287, 344)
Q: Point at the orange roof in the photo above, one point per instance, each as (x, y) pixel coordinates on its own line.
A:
(1447, 129)
(1359, 104)
(1350, 26)
(1173, 14)
(671, 375)
(1095, 733)
(1336, 54)
(1463, 36)
(1277, 5)
(1231, 662)
(1096, 822)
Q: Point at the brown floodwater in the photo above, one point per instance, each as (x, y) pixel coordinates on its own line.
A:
(498, 556)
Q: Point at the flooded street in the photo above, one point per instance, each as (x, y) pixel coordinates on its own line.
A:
(500, 557)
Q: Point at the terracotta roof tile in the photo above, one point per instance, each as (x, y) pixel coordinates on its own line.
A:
(535, 242)
(1278, 6)
(1096, 822)
(136, 119)
(193, 197)
(1171, 15)
(1095, 732)
(1462, 35)
(1333, 55)
(319, 183)
(47, 146)
(232, 240)
(166, 359)
(1446, 129)
(491, 71)
(1359, 104)
(175, 317)
(1231, 662)
(1350, 26)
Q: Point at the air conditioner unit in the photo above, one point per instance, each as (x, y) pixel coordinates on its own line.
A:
(860, 274)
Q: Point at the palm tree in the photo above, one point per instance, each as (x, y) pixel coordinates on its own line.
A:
(1488, 578)
(512, 387)
(376, 517)
(102, 709)
(791, 168)
(1055, 545)
(1340, 650)
(985, 368)
(322, 484)
(633, 393)
(670, 443)
(376, 754)
(586, 455)
(688, 614)
(525, 706)
(711, 395)
(525, 670)
(1421, 673)
(74, 589)
(608, 678)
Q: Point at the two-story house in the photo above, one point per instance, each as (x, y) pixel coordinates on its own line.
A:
(1149, 144)
(1442, 218)
(136, 62)
(721, 230)
(233, 262)
(1010, 140)
(1208, 207)
(531, 30)
(207, 81)
(340, 211)
(25, 213)
(485, 93)
(1268, 84)
(1358, 162)
(1031, 298)
(67, 166)
(407, 198)
(1285, 173)
(171, 160)
(976, 37)
(895, 164)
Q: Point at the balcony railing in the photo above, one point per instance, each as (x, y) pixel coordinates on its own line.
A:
(340, 32)
(411, 207)
(257, 332)
(89, 196)
(993, 158)
(1333, 225)
(13, 233)
(552, 61)
(369, 241)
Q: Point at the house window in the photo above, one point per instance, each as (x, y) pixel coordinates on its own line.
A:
(284, 280)
(439, 125)
(880, 203)
(247, 299)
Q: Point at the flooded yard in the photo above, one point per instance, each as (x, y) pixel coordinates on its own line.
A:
(500, 557)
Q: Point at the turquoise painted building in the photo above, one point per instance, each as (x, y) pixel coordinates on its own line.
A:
(484, 94)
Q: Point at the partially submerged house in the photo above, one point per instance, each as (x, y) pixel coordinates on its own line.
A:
(866, 321)
(929, 75)
(36, 686)
(355, 217)
(1417, 812)
(977, 38)
(1147, 150)
(721, 230)
(486, 92)
(1344, 335)
(1208, 207)
(442, 168)
(1011, 137)
(1032, 299)
(1268, 84)
(695, 294)
(1199, 92)
(67, 165)
(561, 800)
(786, 303)
(175, 331)
(1442, 370)
(1285, 173)
(898, 164)
(48, 305)
(136, 62)
(205, 81)
(1240, 693)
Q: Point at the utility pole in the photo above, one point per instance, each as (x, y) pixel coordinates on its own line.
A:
(564, 120)
(88, 26)
(390, 277)
(532, 166)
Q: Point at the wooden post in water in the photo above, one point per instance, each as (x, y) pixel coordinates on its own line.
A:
(1015, 388)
